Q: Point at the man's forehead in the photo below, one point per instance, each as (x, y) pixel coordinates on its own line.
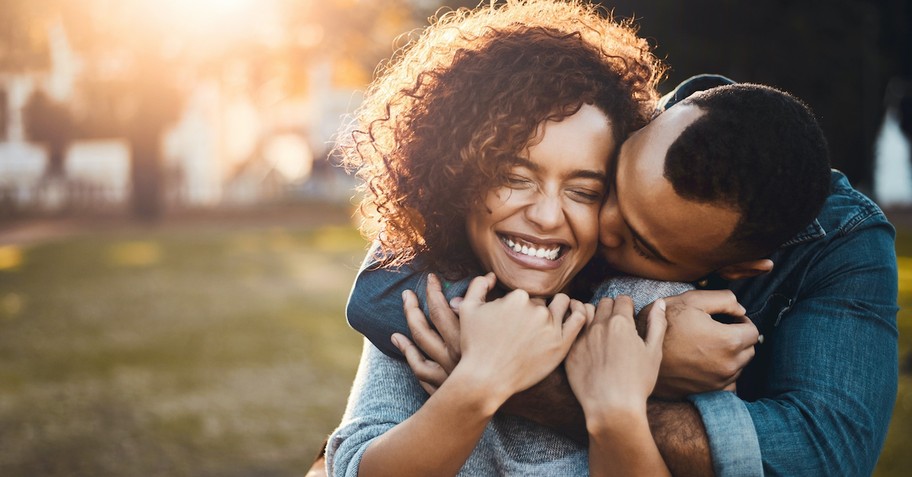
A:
(666, 127)
(650, 206)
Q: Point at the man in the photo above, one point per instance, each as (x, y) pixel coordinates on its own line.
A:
(695, 197)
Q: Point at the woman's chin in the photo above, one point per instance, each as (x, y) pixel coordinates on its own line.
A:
(535, 284)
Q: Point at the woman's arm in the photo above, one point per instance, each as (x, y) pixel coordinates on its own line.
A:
(504, 356)
(612, 372)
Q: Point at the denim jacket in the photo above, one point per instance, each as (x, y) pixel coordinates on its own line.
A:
(818, 396)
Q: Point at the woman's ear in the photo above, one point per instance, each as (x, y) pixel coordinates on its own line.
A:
(742, 270)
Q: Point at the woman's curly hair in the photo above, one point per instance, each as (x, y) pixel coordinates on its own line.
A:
(446, 117)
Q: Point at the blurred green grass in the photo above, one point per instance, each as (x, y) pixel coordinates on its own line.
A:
(204, 351)
(189, 352)
(896, 460)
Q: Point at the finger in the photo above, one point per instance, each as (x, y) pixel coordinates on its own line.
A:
(442, 315)
(558, 307)
(423, 335)
(623, 306)
(571, 328)
(428, 388)
(579, 307)
(424, 369)
(714, 301)
(746, 332)
(454, 304)
(656, 326)
(604, 309)
(478, 291)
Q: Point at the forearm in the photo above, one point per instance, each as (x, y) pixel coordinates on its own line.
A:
(551, 403)
(374, 306)
(624, 446)
(436, 440)
(680, 437)
(676, 427)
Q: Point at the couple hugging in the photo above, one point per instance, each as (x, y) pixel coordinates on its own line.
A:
(566, 282)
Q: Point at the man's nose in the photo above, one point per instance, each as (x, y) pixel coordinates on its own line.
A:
(610, 225)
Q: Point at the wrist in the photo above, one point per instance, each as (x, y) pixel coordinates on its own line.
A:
(477, 388)
(615, 420)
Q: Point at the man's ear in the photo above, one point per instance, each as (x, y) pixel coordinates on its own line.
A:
(742, 270)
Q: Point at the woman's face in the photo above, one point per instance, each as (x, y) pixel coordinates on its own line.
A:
(537, 230)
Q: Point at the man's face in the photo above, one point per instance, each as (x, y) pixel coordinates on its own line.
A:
(645, 227)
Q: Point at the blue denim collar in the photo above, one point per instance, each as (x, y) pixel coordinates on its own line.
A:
(812, 232)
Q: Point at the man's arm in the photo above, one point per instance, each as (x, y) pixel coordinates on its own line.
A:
(680, 436)
(374, 306)
(827, 390)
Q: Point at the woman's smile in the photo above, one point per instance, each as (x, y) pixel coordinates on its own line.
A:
(540, 228)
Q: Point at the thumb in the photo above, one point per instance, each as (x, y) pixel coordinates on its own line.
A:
(478, 290)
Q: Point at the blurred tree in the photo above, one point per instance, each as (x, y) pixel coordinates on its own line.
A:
(837, 55)
(4, 111)
(50, 123)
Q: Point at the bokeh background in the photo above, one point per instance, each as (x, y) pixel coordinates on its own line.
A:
(176, 244)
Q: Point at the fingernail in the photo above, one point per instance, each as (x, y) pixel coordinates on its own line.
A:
(760, 339)
(432, 279)
(406, 297)
(395, 340)
(661, 305)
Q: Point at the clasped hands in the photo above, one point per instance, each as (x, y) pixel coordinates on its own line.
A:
(685, 351)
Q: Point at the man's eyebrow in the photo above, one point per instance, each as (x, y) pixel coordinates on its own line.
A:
(648, 246)
(576, 173)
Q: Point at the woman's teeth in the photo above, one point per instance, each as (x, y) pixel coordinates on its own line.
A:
(550, 253)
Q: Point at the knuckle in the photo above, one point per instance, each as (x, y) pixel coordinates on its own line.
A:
(519, 294)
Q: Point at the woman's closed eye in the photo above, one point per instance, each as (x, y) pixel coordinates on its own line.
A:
(514, 181)
(586, 196)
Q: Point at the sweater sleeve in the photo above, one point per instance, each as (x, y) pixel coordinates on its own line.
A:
(643, 291)
(384, 393)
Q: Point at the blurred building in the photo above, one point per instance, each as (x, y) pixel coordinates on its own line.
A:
(227, 146)
(893, 148)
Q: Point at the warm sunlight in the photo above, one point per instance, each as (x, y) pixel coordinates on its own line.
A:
(210, 20)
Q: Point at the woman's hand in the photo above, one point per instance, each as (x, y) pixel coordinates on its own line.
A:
(506, 345)
(610, 368)
(439, 349)
(613, 371)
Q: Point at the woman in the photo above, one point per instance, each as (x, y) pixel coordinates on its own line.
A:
(486, 147)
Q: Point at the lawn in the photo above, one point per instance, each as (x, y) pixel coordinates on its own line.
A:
(190, 351)
(204, 350)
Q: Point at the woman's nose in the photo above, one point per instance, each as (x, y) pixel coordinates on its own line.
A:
(546, 212)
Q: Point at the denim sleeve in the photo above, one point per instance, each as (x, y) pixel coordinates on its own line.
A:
(830, 390)
(374, 306)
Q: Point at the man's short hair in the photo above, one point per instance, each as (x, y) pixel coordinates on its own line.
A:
(759, 151)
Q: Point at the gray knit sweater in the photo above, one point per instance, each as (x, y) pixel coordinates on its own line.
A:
(385, 393)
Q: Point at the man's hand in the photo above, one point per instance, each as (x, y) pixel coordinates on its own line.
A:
(701, 354)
